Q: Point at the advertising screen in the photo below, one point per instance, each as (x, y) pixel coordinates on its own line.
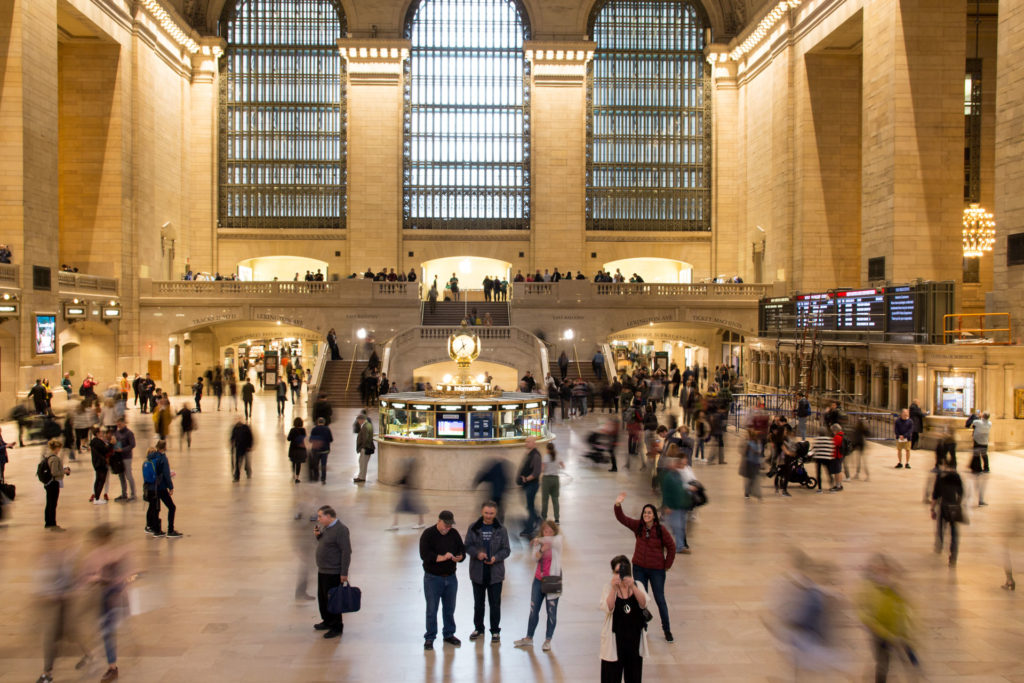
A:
(451, 425)
(46, 334)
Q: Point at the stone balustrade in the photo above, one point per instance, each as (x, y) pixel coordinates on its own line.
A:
(81, 283)
(8, 275)
(576, 290)
(361, 290)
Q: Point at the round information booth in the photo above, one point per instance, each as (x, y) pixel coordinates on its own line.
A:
(447, 434)
(452, 438)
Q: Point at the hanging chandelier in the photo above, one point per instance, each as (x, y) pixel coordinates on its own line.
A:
(979, 231)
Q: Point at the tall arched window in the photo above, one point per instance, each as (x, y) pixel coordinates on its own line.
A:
(466, 139)
(282, 123)
(648, 119)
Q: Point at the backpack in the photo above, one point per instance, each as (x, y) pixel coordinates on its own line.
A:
(845, 447)
(148, 472)
(43, 472)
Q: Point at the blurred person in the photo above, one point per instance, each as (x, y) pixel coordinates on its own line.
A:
(197, 394)
(487, 547)
(241, 442)
(3, 455)
(750, 467)
(549, 482)
(654, 552)
(282, 396)
(886, 614)
(106, 572)
(624, 633)
(946, 508)
(547, 550)
(858, 444)
(917, 416)
(409, 500)
(821, 451)
(320, 439)
(982, 428)
(904, 428)
(51, 472)
(441, 548)
(839, 447)
(333, 556)
(1014, 529)
(124, 447)
(364, 447)
(297, 453)
(83, 419)
(218, 388)
(59, 604)
(162, 417)
(945, 448)
(803, 411)
(101, 448)
(678, 485)
(783, 462)
(529, 478)
(495, 475)
(188, 425)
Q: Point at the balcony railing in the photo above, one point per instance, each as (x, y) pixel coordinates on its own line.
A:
(612, 291)
(359, 289)
(8, 275)
(80, 282)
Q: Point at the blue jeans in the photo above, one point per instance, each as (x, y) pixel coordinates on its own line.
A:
(532, 518)
(656, 578)
(802, 427)
(551, 603)
(108, 623)
(441, 589)
(698, 451)
(677, 523)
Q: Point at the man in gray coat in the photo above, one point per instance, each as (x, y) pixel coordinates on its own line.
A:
(364, 446)
(333, 554)
(487, 547)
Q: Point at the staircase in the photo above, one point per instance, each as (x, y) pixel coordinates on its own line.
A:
(585, 369)
(332, 385)
(451, 313)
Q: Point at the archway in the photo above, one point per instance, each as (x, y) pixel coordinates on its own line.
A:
(284, 268)
(653, 269)
(470, 270)
(88, 348)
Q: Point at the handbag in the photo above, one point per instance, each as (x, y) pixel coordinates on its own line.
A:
(551, 584)
(344, 599)
(954, 513)
(7, 490)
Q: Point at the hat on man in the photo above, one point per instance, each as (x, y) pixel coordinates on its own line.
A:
(447, 517)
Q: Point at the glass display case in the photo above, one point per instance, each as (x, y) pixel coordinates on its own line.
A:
(413, 417)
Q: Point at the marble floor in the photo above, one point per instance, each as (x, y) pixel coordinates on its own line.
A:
(217, 605)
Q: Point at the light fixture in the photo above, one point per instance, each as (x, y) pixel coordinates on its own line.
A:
(568, 334)
(979, 231)
(361, 333)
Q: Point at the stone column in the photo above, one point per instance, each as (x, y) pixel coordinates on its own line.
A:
(1009, 165)
(199, 240)
(558, 143)
(375, 110)
(729, 254)
(29, 197)
(912, 170)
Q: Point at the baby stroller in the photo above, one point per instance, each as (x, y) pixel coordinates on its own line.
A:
(797, 472)
(601, 446)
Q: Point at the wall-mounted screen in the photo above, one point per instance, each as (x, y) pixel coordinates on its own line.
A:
(46, 334)
(451, 425)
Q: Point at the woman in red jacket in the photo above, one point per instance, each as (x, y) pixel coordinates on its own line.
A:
(653, 554)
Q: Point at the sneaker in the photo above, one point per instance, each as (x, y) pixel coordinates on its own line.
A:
(333, 633)
(908, 465)
(419, 526)
(158, 534)
(45, 678)
(475, 634)
(899, 466)
(524, 642)
(121, 499)
(92, 498)
(100, 501)
(787, 494)
(452, 640)
(547, 645)
(105, 497)
(668, 637)
(81, 664)
(393, 527)
(428, 645)
(149, 531)
(357, 480)
(496, 638)
(322, 626)
(174, 534)
(685, 550)
(110, 675)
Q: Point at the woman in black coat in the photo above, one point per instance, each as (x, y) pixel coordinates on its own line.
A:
(297, 447)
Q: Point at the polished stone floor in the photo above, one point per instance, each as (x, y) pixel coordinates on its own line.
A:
(217, 605)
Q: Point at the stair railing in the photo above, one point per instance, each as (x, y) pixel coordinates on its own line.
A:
(318, 372)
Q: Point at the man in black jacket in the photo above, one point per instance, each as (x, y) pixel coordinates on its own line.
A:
(241, 444)
(333, 555)
(487, 546)
(440, 549)
(529, 479)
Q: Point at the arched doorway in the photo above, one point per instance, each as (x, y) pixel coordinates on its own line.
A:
(652, 269)
(283, 268)
(88, 348)
(470, 271)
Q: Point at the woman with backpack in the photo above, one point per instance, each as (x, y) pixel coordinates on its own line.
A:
(653, 554)
(51, 472)
(297, 453)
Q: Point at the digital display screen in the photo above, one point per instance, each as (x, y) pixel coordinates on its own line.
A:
(902, 310)
(777, 314)
(46, 334)
(815, 310)
(862, 309)
(481, 426)
(451, 425)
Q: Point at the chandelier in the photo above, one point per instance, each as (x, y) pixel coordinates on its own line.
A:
(979, 231)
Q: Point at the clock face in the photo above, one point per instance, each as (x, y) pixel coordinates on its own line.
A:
(463, 345)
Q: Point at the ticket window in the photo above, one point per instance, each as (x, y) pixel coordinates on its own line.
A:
(954, 393)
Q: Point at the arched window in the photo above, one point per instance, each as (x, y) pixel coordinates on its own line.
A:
(282, 118)
(648, 119)
(466, 142)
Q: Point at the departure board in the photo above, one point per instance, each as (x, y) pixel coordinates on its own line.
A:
(816, 310)
(861, 309)
(901, 313)
(777, 314)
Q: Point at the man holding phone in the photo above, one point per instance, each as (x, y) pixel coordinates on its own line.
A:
(440, 549)
(487, 546)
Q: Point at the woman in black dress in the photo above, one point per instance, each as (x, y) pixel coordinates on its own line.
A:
(297, 447)
(624, 634)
